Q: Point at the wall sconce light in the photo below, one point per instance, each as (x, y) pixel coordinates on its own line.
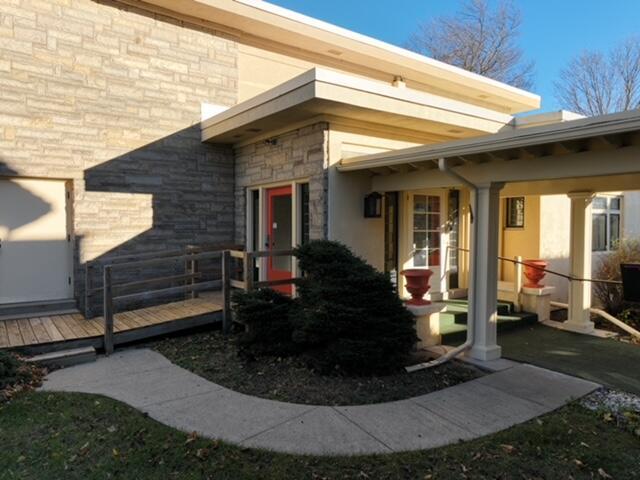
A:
(373, 205)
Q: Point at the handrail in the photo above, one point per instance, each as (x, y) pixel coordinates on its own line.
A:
(607, 316)
(546, 270)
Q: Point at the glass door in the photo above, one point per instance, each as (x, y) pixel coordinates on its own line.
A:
(426, 221)
(279, 235)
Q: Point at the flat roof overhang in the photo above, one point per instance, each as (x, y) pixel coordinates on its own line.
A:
(255, 22)
(596, 147)
(320, 92)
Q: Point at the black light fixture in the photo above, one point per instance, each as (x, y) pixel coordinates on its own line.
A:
(373, 205)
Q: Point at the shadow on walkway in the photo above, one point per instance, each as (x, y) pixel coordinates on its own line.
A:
(609, 362)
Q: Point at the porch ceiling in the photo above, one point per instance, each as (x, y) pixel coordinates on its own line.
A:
(321, 93)
(550, 158)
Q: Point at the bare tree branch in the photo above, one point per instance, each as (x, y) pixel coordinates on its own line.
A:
(596, 84)
(479, 39)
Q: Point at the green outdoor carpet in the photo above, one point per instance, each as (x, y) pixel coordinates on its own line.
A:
(609, 362)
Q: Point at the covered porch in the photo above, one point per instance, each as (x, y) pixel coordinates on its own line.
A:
(578, 159)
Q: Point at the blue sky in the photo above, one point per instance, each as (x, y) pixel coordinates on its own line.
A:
(553, 30)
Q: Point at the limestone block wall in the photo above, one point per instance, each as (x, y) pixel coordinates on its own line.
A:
(300, 154)
(109, 99)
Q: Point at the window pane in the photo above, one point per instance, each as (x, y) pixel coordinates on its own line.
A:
(600, 203)
(419, 240)
(434, 221)
(515, 212)
(420, 258)
(599, 232)
(614, 230)
(419, 203)
(419, 221)
(434, 204)
(614, 203)
(433, 239)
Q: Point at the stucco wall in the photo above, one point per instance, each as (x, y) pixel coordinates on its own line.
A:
(110, 100)
(298, 155)
(520, 241)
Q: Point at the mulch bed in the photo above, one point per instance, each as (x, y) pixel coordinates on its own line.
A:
(215, 357)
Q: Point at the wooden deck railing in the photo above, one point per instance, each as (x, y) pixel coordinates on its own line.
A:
(115, 293)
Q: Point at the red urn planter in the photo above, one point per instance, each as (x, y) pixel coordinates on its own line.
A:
(417, 285)
(533, 272)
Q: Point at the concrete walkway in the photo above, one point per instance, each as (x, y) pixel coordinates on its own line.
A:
(147, 381)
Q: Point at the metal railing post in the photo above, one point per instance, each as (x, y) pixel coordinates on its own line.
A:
(108, 311)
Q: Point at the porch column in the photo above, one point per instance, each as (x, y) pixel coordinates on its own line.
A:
(483, 301)
(580, 262)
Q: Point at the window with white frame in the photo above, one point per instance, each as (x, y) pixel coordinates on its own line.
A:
(515, 212)
(606, 220)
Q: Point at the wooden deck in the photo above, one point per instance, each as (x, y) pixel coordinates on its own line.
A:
(57, 332)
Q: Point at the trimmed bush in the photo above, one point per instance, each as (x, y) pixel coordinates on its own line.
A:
(349, 318)
(266, 316)
(608, 268)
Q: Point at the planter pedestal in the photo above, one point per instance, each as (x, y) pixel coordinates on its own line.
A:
(427, 323)
(538, 301)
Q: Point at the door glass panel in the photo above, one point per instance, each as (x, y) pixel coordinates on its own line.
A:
(419, 203)
(419, 221)
(281, 228)
(426, 230)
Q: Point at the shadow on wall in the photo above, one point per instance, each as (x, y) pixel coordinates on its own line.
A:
(32, 207)
(174, 192)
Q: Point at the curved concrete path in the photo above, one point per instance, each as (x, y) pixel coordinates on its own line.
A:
(176, 397)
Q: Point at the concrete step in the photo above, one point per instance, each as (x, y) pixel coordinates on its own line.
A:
(10, 311)
(65, 358)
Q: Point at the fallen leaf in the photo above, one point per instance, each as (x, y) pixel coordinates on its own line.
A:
(603, 474)
(579, 463)
(508, 448)
(115, 452)
(193, 436)
(112, 429)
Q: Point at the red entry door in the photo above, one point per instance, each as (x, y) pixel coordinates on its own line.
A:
(279, 235)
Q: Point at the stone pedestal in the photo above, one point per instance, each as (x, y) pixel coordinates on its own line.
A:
(538, 301)
(427, 323)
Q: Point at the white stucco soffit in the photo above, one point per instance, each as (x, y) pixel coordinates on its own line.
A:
(319, 92)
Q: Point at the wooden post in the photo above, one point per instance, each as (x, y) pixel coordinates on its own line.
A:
(517, 283)
(108, 311)
(87, 291)
(248, 271)
(226, 292)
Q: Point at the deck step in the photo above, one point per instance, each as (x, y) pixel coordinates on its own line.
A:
(11, 311)
(65, 358)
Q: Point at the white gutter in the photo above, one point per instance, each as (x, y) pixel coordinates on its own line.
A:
(443, 167)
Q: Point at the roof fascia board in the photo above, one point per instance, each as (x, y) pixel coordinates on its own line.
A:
(566, 131)
(246, 19)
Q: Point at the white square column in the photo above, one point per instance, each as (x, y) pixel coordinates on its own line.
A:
(580, 262)
(483, 298)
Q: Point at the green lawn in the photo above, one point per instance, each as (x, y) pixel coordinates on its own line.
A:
(76, 436)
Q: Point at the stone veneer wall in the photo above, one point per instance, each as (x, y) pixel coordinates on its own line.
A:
(300, 154)
(109, 99)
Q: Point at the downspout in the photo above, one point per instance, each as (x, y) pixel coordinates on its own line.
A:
(444, 168)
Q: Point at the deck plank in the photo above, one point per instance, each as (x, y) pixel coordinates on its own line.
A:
(39, 331)
(26, 331)
(77, 326)
(4, 337)
(51, 329)
(68, 327)
(13, 333)
(61, 324)
(87, 325)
